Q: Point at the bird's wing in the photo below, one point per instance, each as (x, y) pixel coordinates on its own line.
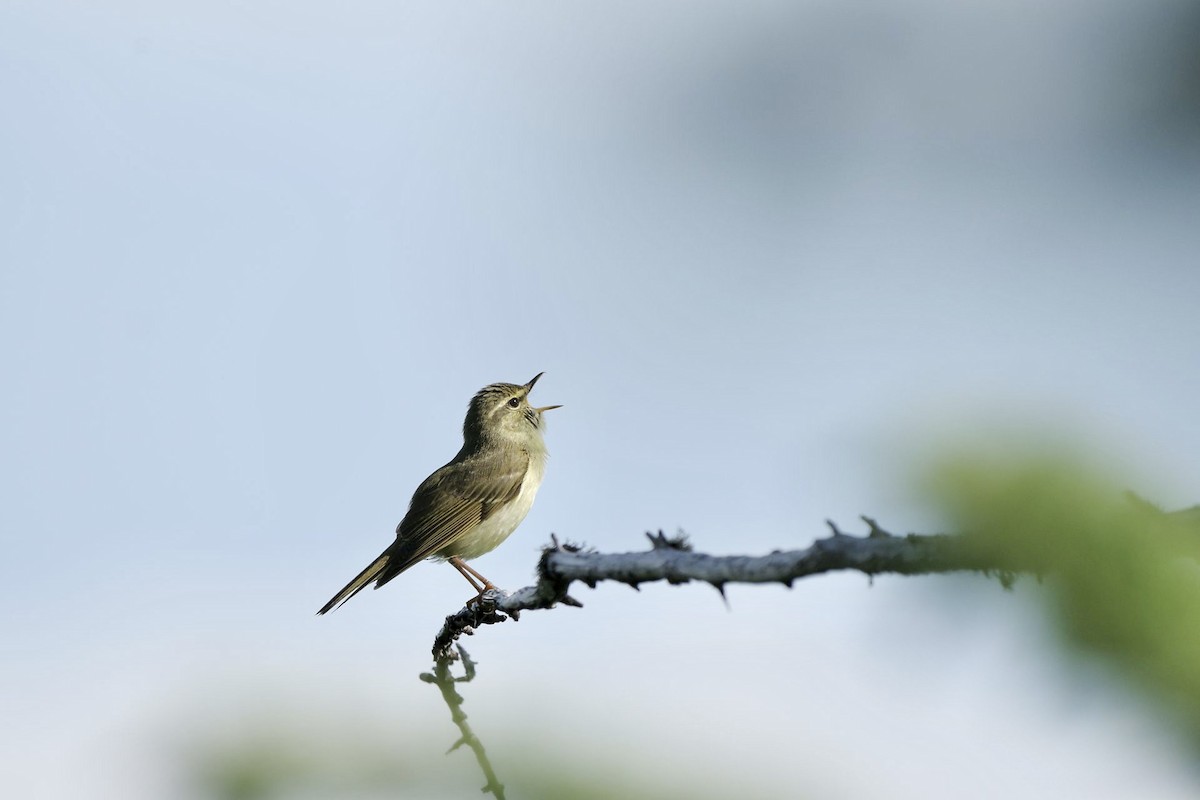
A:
(450, 503)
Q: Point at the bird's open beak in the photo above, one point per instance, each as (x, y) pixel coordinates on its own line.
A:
(529, 388)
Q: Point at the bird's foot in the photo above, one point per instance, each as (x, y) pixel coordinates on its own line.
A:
(489, 595)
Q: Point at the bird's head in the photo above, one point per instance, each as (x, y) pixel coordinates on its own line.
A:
(502, 412)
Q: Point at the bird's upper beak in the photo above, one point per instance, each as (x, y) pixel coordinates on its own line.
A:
(529, 388)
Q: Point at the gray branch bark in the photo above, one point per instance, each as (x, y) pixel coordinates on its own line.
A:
(445, 681)
(672, 559)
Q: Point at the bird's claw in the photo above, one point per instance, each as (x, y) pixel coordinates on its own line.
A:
(487, 599)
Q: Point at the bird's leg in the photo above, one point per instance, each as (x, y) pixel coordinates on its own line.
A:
(466, 572)
(472, 576)
(486, 583)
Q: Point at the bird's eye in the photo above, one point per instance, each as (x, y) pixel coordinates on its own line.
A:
(516, 401)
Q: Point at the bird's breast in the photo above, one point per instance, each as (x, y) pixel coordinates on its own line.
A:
(503, 520)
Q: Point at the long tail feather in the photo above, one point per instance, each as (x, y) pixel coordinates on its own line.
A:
(359, 583)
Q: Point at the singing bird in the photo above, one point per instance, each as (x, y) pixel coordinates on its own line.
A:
(471, 505)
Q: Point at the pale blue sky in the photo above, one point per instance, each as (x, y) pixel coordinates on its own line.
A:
(255, 260)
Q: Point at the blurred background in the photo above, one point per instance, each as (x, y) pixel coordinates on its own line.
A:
(773, 257)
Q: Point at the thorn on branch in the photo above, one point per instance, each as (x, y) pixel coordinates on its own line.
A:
(834, 528)
(468, 665)
(661, 541)
(876, 531)
(566, 547)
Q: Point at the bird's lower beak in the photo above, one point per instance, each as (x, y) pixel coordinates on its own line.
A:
(529, 387)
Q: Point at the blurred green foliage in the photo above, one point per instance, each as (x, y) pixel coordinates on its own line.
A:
(286, 762)
(267, 764)
(1120, 578)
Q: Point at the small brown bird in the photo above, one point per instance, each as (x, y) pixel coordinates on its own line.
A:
(471, 505)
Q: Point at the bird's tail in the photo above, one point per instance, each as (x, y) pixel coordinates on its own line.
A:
(359, 583)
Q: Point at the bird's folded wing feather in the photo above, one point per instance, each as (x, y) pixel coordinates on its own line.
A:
(453, 501)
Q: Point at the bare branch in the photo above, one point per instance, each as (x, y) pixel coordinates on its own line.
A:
(444, 680)
(673, 560)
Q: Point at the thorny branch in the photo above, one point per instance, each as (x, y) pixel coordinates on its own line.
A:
(672, 559)
(442, 678)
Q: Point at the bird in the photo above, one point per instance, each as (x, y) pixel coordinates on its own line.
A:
(472, 504)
